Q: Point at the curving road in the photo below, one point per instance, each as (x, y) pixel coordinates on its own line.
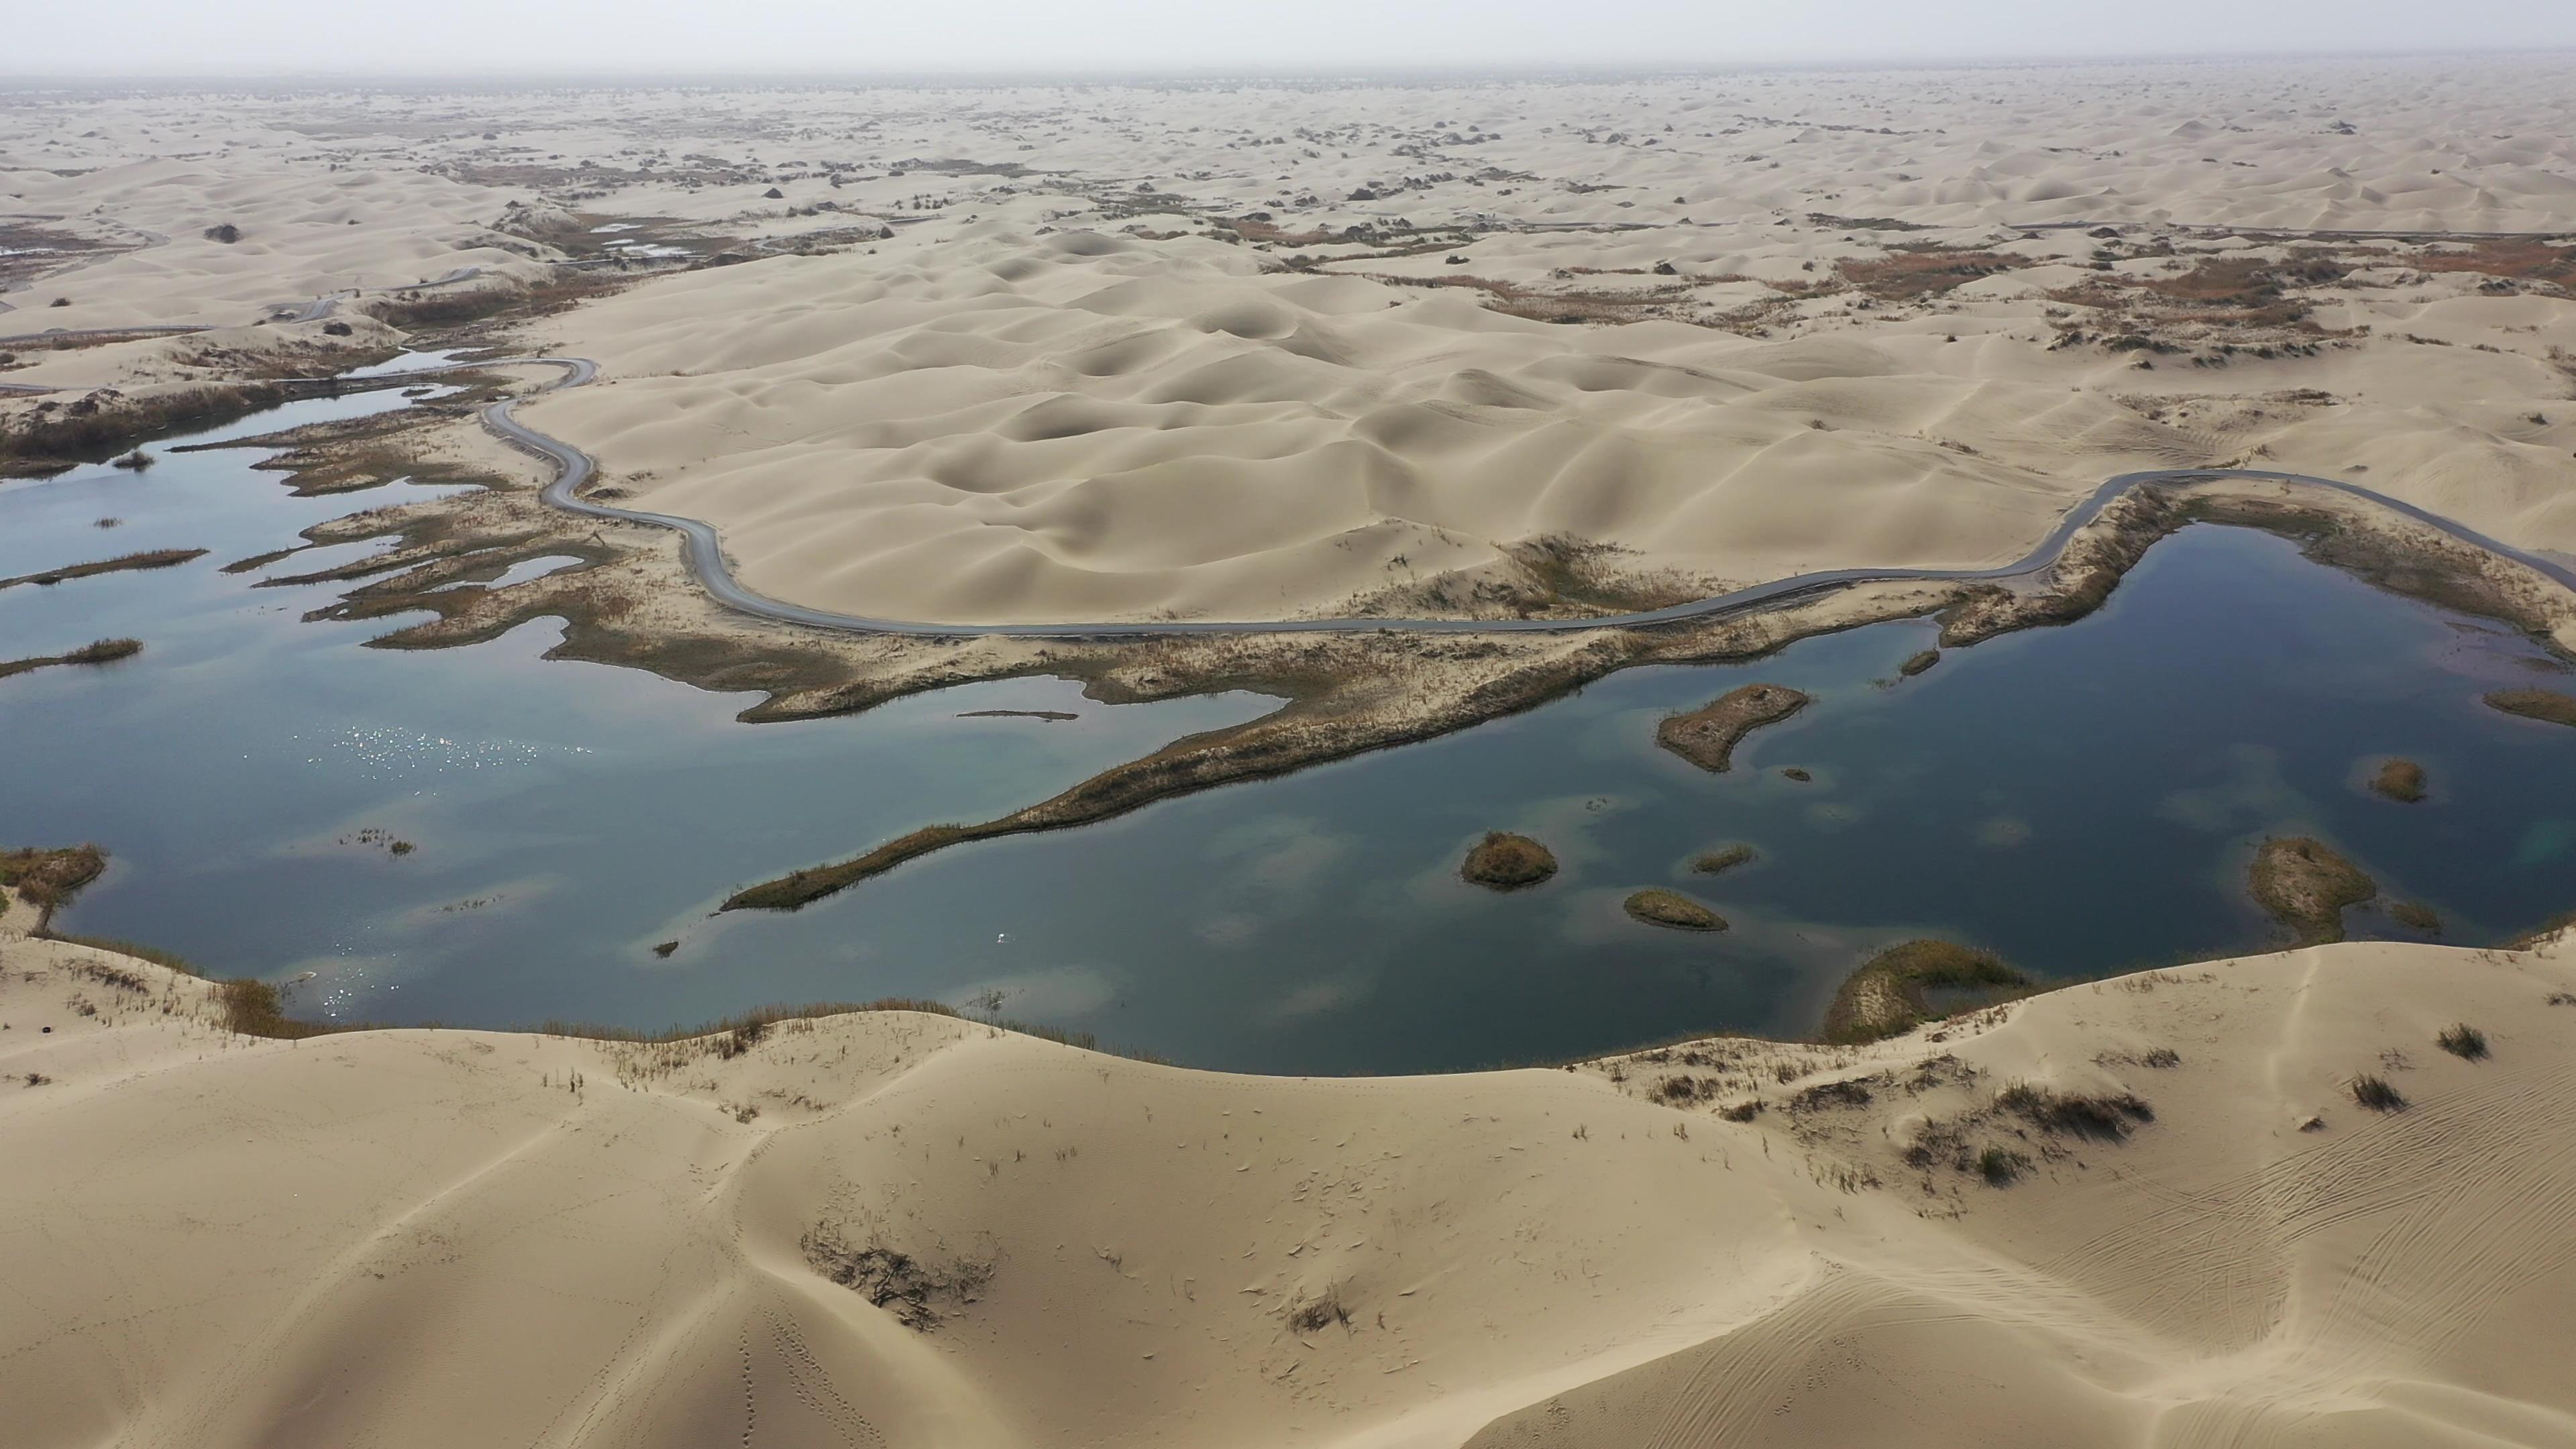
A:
(705, 553)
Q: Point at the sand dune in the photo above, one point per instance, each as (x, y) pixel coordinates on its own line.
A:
(426, 1237)
(1118, 352)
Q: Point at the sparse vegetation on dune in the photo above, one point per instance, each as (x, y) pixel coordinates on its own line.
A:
(2105, 1115)
(2463, 1041)
(2373, 1091)
(1885, 997)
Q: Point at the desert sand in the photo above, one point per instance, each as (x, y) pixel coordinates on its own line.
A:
(893, 1228)
(1116, 352)
(1201, 351)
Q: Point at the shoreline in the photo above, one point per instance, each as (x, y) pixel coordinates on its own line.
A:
(953, 1228)
(2388, 550)
(1362, 686)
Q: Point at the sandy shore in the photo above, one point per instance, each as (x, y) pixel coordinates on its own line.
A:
(891, 1228)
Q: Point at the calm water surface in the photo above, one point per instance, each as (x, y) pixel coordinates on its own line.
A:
(2081, 799)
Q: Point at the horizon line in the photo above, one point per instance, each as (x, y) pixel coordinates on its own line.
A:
(1223, 71)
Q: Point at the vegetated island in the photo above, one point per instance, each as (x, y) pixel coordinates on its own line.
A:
(104, 651)
(1671, 910)
(1723, 859)
(48, 877)
(1885, 998)
(1916, 664)
(2305, 886)
(1051, 716)
(2401, 780)
(2547, 705)
(159, 558)
(1708, 735)
(1507, 862)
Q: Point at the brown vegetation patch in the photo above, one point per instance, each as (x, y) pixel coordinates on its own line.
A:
(918, 1294)
(160, 558)
(1914, 272)
(1507, 862)
(443, 307)
(103, 651)
(1707, 736)
(2401, 780)
(2546, 705)
(49, 878)
(50, 435)
(1671, 909)
(2517, 258)
(2305, 886)
(1721, 860)
(1572, 305)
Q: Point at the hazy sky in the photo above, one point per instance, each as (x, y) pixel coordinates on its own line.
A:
(272, 37)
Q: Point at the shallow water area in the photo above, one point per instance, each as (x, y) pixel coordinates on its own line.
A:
(2081, 799)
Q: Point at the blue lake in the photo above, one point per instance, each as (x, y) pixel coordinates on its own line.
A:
(2081, 799)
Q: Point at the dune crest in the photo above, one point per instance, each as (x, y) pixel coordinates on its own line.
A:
(892, 1228)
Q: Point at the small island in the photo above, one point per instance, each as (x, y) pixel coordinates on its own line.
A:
(2546, 705)
(2305, 886)
(2400, 780)
(105, 651)
(1506, 862)
(1723, 859)
(1707, 736)
(1672, 910)
(1885, 997)
(1918, 663)
(159, 558)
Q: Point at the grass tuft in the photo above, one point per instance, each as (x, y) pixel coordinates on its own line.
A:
(2464, 1041)
(2001, 1166)
(2109, 1116)
(2375, 1093)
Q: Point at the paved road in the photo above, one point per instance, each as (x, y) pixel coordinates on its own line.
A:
(705, 553)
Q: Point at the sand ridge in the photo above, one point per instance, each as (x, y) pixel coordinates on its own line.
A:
(639, 1244)
(1475, 349)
